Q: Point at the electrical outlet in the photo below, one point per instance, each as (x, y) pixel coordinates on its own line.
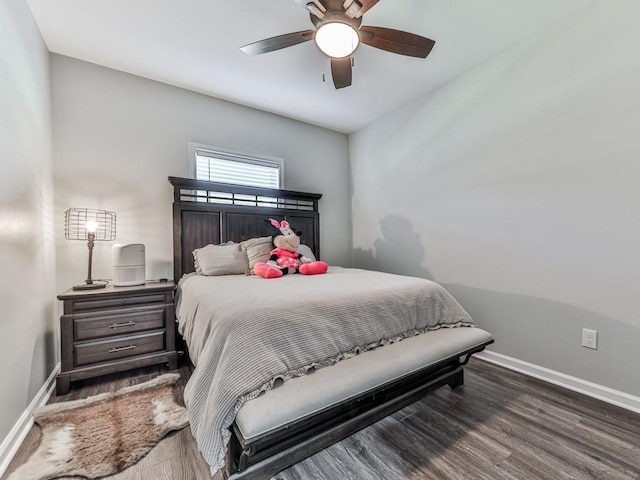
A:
(590, 338)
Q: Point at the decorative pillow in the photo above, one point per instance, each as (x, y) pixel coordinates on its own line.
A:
(305, 251)
(257, 250)
(226, 259)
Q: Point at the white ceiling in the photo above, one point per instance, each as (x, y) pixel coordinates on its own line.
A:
(194, 44)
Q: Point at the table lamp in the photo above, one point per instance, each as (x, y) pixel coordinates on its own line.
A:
(90, 225)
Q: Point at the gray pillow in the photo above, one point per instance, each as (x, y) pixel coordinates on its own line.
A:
(257, 250)
(227, 259)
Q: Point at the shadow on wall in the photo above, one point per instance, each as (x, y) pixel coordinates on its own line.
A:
(398, 251)
(44, 355)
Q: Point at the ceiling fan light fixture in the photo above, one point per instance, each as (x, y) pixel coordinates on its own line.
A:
(337, 39)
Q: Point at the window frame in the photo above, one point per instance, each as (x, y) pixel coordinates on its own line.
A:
(234, 155)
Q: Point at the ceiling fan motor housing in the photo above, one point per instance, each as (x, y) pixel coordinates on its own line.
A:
(333, 17)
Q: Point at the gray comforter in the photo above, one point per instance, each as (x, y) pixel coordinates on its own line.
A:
(245, 332)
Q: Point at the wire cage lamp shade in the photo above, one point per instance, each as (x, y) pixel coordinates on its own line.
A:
(91, 225)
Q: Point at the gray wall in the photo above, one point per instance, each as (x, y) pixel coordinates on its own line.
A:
(516, 186)
(117, 137)
(27, 255)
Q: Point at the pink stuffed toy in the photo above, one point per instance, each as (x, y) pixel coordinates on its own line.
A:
(285, 257)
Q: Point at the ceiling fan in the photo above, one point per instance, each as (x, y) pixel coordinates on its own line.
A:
(338, 32)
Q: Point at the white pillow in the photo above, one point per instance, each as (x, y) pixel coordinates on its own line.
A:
(305, 251)
(227, 259)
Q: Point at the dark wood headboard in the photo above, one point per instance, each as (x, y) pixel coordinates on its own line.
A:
(209, 212)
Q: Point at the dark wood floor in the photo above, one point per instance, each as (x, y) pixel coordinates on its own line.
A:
(499, 425)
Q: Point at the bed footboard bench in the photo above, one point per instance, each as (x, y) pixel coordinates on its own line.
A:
(306, 414)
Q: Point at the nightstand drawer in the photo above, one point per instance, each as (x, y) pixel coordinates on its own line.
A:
(105, 350)
(118, 324)
(83, 305)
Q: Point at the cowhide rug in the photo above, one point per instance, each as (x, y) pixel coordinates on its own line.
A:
(104, 434)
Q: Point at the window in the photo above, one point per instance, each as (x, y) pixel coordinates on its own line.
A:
(225, 166)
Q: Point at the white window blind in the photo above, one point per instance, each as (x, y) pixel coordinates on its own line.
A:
(217, 165)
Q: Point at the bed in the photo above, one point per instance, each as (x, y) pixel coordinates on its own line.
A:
(287, 367)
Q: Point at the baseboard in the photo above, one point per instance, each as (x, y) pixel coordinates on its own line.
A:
(606, 394)
(16, 436)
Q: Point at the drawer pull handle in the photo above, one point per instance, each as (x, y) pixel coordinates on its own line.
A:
(130, 323)
(120, 349)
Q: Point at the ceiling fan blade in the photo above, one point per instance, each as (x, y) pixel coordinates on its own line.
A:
(341, 71)
(396, 41)
(276, 43)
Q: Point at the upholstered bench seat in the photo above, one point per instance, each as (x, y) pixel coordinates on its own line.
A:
(305, 396)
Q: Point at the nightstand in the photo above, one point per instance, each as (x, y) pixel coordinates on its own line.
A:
(114, 329)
